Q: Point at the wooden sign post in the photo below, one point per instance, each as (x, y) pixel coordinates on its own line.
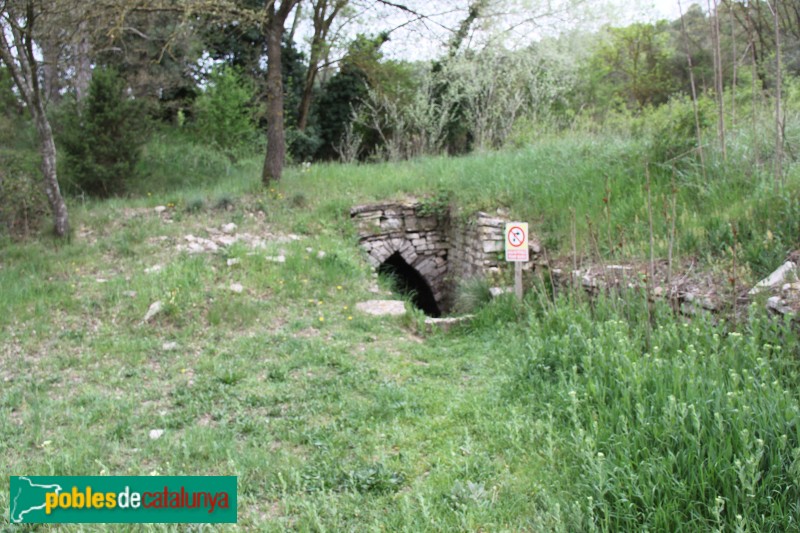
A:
(517, 251)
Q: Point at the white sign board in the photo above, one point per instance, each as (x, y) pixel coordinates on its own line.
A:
(517, 241)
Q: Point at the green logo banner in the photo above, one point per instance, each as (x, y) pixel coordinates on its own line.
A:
(122, 499)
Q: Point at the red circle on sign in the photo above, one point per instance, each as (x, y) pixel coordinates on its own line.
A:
(510, 231)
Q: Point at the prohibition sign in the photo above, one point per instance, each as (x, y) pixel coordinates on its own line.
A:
(516, 236)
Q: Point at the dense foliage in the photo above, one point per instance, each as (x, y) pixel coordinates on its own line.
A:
(102, 137)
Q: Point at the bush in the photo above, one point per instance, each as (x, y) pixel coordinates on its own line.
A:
(686, 426)
(471, 295)
(224, 114)
(23, 205)
(672, 130)
(302, 145)
(102, 137)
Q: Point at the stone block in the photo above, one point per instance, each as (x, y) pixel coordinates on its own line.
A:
(391, 224)
(492, 246)
(426, 223)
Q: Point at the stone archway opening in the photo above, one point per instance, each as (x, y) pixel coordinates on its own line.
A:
(408, 281)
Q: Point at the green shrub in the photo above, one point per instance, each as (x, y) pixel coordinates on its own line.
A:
(684, 424)
(302, 145)
(102, 138)
(224, 114)
(23, 205)
(471, 295)
(672, 130)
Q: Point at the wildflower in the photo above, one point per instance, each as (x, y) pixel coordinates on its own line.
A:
(338, 287)
(322, 319)
(344, 307)
(600, 455)
(350, 318)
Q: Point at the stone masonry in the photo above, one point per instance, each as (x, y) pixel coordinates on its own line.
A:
(444, 251)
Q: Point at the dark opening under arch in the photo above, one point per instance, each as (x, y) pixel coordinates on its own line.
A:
(411, 283)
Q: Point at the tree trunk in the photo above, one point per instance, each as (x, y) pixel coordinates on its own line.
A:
(718, 85)
(778, 102)
(308, 87)
(47, 147)
(52, 82)
(17, 52)
(276, 142)
(83, 63)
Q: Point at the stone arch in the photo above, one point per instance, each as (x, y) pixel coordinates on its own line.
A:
(442, 250)
(427, 258)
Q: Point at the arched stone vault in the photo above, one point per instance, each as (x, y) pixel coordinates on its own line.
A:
(442, 251)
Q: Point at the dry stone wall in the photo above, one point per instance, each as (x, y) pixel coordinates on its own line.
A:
(443, 250)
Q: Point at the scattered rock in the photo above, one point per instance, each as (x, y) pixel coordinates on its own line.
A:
(446, 323)
(153, 310)
(233, 261)
(101, 280)
(321, 255)
(309, 250)
(160, 209)
(276, 258)
(498, 291)
(695, 300)
(153, 269)
(382, 307)
(787, 287)
(237, 287)
(778, 305)
(129, 294)
(786, 272)
(229, 228)
(156, 433)
(198, 245)
(169, 346)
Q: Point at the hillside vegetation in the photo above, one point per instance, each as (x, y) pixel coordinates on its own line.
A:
(549, 415)
(195, 312)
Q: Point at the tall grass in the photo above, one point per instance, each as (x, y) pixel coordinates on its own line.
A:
(700, 432)
(602, 179)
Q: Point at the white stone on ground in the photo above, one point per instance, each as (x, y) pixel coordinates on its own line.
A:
(786, 272)
(498, 291)
(153, 310)
(229, 228)
(446, 323)
(237, 287)
(156, 433)
(153, 269)
(169, 346)
(159, 209)
(233, 261)
(382, 307)
(276, 258)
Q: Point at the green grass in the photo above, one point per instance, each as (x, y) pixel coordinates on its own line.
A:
(538, 417)
(560, 180)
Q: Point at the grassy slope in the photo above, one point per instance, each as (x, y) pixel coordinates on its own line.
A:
(534, 418)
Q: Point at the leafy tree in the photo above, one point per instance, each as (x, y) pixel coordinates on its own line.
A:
(633, 65)
(224, 113)
(18, 24)
(103, 136)
(358, 70)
